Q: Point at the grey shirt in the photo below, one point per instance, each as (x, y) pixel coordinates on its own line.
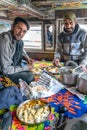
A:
(7, 51)
(72, 46)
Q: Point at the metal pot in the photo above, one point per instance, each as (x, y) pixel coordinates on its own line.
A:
(68, 75)
(82, 83)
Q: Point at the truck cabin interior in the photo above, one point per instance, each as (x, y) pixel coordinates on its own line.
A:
(41, 15)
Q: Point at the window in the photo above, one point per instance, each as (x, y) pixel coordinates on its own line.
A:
(33, 38)
(83, 23)
(84, 26)
(49, 36)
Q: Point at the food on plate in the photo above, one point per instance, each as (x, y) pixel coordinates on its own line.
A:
(39, 88)
(33, 111)
(52, 69)
(36, 70)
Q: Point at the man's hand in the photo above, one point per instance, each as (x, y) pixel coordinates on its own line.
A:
(84, 67)
(30, 66)
(30, 61)
(56, 62)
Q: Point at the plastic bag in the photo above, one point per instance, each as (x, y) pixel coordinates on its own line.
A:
(24, 88)
(53, 86)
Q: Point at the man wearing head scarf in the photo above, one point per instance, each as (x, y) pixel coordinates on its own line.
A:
(12, 52)
(72, 42)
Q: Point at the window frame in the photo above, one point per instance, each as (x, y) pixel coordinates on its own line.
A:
(42, 40)
(48, 48)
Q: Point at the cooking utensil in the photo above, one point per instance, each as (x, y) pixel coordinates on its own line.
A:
(82, 83)
(32, 112)
(73, 70)
(68, 75)
(71, 63)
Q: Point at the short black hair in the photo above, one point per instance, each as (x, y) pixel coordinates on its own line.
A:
(20, 19)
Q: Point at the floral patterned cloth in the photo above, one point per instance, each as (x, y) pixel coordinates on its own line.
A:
(75, 106)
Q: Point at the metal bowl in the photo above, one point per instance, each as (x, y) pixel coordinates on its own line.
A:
(69, 74)
(67, 77)
(32, 112)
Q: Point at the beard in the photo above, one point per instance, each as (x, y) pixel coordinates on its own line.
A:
(69, 30)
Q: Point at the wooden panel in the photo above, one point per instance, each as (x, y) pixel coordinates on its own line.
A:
(79, 12)
(42, 55)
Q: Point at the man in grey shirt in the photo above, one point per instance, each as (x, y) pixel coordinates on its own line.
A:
(72, 42)
(12, 52)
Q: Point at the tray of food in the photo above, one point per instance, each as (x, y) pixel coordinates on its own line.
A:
(52, 69)
(36, 70)
(33, 111)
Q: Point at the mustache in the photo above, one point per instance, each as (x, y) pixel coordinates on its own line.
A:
(69, 28)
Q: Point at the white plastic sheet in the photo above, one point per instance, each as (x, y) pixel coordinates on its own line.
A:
(53, 87)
